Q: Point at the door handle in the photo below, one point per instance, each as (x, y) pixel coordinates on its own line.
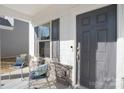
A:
(78, 57)
(78, 52)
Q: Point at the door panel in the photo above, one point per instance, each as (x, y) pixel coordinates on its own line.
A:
(85, 44)
(101, 39)
(96, 33)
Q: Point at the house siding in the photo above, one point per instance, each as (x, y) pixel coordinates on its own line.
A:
(15, 42)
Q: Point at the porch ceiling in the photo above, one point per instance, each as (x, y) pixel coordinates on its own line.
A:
(29, 11)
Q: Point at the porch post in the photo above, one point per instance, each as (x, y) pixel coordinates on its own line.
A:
(120, 47)
(0, 59)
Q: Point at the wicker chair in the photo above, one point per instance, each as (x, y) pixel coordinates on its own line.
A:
(63, 73)
(21, 62)
(38, 69)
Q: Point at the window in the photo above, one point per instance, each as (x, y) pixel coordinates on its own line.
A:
(43, 39)
(44, 49)
(44, 32)
(44, 35)
(55, 39)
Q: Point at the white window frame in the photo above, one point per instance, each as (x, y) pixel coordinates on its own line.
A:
(38, 41)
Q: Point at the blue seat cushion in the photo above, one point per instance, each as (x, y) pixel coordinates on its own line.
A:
(17, 65)
(19, 61)
(39, 72)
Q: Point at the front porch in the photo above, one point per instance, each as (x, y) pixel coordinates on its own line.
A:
(78, 35)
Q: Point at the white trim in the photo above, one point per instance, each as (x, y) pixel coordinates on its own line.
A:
(10, 19)
(43, 40)
(50, 40)
(120, 46)
(6, 27)
(31, 40)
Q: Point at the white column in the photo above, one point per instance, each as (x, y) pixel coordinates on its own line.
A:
(120, 47)
(31, 39)
(0, 58)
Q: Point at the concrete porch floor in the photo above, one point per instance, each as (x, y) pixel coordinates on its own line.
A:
(23, 84)
(16, 71)
(14, 84)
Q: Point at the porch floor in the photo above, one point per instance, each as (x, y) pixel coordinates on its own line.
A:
(23, 84)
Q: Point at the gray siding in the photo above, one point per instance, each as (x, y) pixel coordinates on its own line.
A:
(17, 41)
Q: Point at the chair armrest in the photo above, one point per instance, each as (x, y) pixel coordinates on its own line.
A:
(22, 65)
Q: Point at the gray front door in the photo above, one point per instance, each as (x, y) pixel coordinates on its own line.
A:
(96, 39)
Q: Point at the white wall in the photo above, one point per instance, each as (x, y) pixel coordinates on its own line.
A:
(120, 47)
